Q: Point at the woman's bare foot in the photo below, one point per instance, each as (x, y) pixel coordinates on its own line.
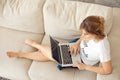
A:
(12, 54)
(33, 43)
(30, 42)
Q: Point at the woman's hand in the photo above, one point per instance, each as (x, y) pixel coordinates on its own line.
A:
(81, 66)
(75, 48)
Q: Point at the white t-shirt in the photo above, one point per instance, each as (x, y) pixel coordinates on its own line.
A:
(92, 52)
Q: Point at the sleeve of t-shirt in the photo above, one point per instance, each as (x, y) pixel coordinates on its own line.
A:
(105, 51)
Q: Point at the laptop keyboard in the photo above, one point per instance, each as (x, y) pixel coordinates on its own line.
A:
(66, 55)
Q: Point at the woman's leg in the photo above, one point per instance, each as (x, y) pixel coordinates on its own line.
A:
(36, 56)
(44, 49)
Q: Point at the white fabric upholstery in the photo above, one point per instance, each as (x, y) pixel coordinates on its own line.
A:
(84, 75)
(62, 19)
(22, 15)
(48, 71)
(13, 40)
(115, 74)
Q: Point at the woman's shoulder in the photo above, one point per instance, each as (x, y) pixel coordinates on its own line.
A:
(104, 43)
(104, 40)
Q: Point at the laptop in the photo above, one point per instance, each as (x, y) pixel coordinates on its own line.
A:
(60, 53)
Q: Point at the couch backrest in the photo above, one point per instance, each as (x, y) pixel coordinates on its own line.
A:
(24, 15)
(62, 19)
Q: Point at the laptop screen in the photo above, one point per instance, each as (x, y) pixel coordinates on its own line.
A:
(55, 50)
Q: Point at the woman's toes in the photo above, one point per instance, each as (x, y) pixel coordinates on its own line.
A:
(12, 54)
(29, 41)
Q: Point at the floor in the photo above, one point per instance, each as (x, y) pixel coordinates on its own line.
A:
(1, 78)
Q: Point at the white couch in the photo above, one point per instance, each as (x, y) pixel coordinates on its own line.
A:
(21, 19)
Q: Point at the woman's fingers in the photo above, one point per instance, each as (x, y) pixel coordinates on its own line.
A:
(78, 51)
(70, 49)
(74, 50)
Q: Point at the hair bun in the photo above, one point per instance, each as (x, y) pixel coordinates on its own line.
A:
(102, 21)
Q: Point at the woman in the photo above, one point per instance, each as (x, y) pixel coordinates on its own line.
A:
(93, 46)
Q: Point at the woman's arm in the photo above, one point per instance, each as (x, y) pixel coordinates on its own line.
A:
(75, 48)
(105, 69)
(79, 41)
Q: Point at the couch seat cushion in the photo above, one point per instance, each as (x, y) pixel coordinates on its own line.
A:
(12, 40)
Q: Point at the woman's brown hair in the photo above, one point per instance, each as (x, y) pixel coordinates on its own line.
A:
(94, 25)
